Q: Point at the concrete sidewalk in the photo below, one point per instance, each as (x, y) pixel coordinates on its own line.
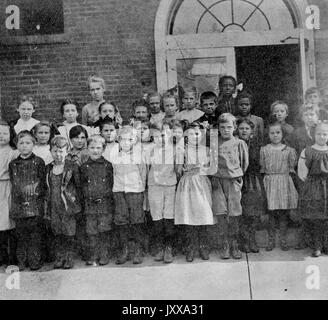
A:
(273, 275)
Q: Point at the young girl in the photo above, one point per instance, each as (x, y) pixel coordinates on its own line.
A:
(189, 101)
(25, 109)
(193, 204)
(279, 111)
(43, 134)
(155, 106)
(253, 196)
(63, 202)
(90, 112)
(97, 184)
(313, 170)
(108, 130)
(69, 111)
(140, 111)
(7, 154)
(28, 178)
(177, 132)
(107, 110)
(277, 162)
(170, 104)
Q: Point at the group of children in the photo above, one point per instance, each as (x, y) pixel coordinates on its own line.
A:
(209, 163)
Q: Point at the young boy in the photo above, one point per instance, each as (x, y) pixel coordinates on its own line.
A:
(97, 185)
(90, 112)
(208, 103)
(129, 185)
(299, 139)
(244, 107)
(232, 161)
(303, 136)
(28, 178)
(162, 180)
(64, 202)
(26, 109)
(226, 102)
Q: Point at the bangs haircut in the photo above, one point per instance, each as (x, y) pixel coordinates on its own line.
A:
(97, 139)
(76, 131)
(59, 142)
(25, 133)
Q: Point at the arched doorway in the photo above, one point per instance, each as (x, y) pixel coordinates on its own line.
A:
(262, 42)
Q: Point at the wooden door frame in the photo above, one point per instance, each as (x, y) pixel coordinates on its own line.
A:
(165, 43)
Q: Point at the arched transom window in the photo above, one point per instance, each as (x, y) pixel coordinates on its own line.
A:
(210, 16)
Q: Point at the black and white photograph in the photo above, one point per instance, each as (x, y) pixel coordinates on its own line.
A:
(163, 150)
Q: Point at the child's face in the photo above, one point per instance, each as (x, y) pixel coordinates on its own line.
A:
(25, 146)
(79, 142)
(70, 113)
(280, 112)
(43, 135)
(310, 118)
(227, 87)
(4, 135)
(313, 98)
(244, 131)
(109, 132)
(226, 130)
(97, 91)
(209, 106)
(170, 107)
(158, 138)
(141, 112)
(155, 104)
(275, 134)
(127, 141)
(143, 132)
(244, 107)
(96, 150)
(107, 110)
(189, 100)
(194, 136)
(321, 135)
(25, 110)
(59, 154)
(177, 133)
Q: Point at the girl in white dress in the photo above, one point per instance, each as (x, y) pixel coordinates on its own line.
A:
(193, 205)
(7, 154)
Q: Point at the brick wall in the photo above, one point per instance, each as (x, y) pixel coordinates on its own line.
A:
(112, 38)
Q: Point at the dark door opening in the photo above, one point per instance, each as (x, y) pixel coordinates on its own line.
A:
(271, 73)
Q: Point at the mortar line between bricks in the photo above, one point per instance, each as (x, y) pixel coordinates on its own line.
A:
(249, 278)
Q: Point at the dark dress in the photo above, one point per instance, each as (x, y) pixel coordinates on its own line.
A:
(313, 199)
(253, 195)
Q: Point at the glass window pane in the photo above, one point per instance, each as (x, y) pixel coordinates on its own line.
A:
(210, 16)
(203, 73)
